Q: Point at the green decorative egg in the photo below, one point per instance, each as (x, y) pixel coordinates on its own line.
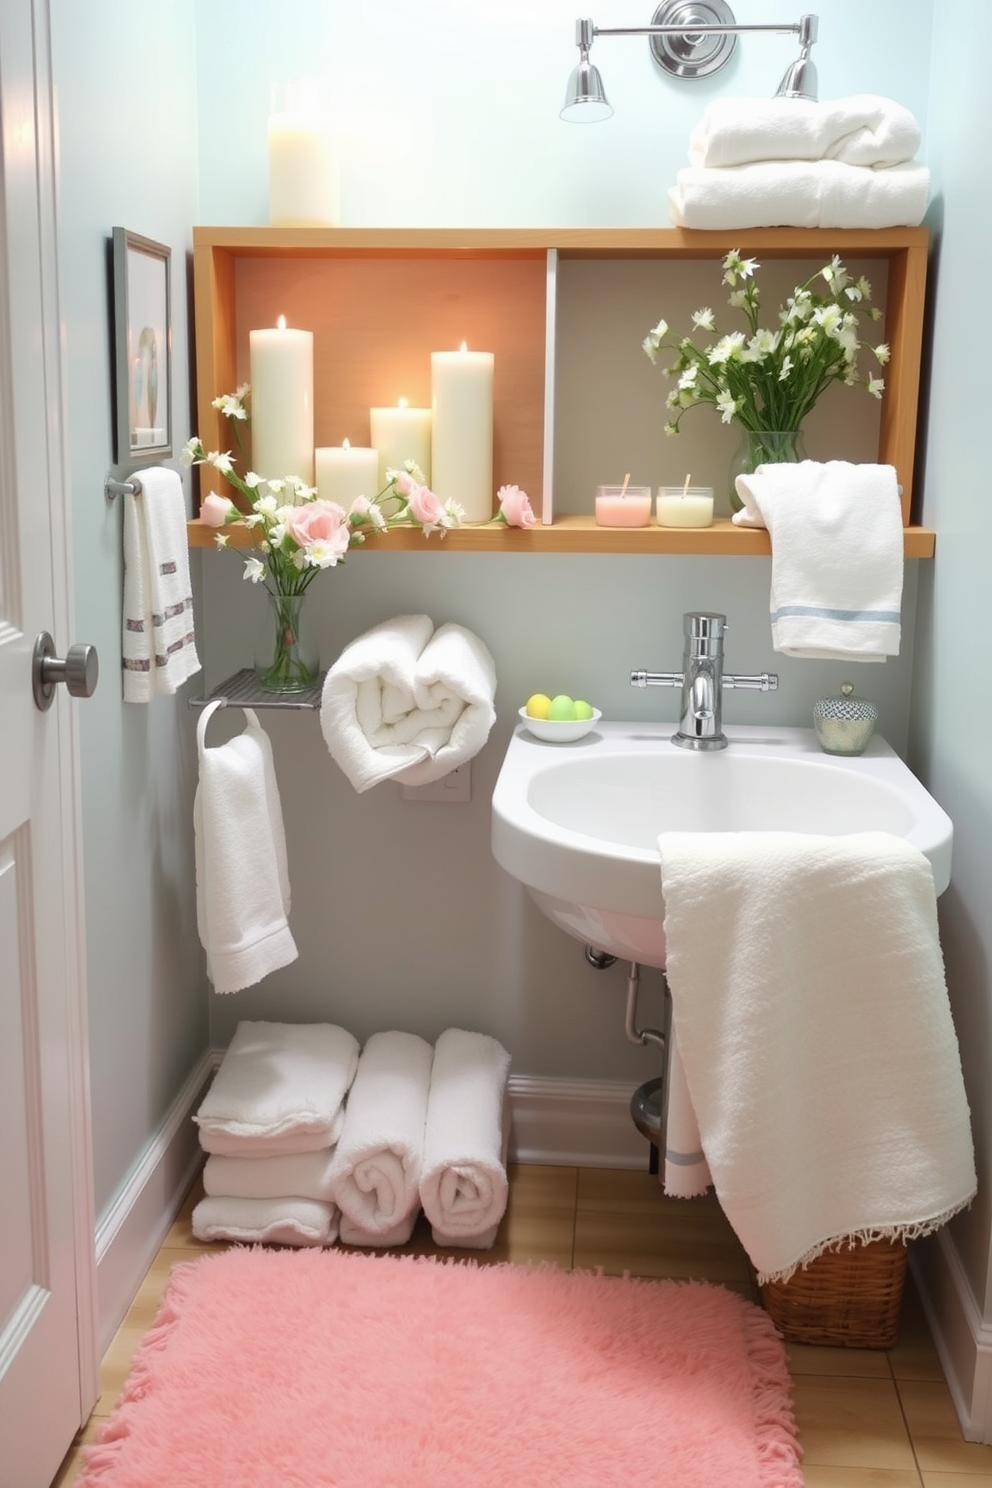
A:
(583, 709)
(562, 709)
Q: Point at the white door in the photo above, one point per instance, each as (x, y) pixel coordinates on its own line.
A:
(48, 1369)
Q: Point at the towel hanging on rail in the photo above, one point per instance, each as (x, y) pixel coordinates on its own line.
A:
(158, 642)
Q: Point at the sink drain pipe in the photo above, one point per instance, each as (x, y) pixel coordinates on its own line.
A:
(647, 1104)
(630, 1028)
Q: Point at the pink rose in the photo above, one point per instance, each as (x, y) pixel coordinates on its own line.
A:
(214, 510)
(316, 521)
(404, 483)
(425, 508)
(515, 507)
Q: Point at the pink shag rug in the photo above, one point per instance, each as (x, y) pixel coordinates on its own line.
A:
(293, 1369)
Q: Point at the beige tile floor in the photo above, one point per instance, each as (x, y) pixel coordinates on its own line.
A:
(867, 1419)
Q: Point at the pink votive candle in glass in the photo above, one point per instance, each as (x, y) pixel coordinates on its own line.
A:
(623, 506)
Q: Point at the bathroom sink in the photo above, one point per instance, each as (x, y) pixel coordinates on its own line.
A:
(578, 824)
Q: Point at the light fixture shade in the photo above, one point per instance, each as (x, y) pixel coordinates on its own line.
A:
(800, 81)
(585, 96)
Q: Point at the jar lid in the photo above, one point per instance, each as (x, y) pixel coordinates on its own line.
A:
(847, 706)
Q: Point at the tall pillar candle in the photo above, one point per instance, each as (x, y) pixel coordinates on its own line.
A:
(345, 471)
(462, 430)
(303, 165)
(282, 402)
(400, 434)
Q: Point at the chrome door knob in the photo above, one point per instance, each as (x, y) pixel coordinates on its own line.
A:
(79, 670)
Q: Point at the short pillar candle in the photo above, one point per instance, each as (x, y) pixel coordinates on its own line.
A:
(282, 402)
(400, 434)
(623, 506)
(462, 430)
(345, 471)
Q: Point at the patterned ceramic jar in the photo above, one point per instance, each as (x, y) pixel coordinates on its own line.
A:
(844, 724)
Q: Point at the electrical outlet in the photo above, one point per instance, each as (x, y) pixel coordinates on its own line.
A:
(455, 786)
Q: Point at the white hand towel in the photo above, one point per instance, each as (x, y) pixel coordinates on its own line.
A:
(242, 880)
(687, 1173)
(813, 1024)
(404, 703)
(305, 1174)
(158, 643)
(279, 1221)
(463, 1185)
(375, 1173)
(863, 129)
(837, 556)
(799, 193)
(280, 1088)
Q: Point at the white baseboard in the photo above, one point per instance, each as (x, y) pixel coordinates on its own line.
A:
(963, 1341)
(131, 1230)
(574, 1123)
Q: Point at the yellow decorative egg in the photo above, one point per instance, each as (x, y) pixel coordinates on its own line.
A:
(538, 705)
(562, 709)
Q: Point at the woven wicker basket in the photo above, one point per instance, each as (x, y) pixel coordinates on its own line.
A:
(847, 1298)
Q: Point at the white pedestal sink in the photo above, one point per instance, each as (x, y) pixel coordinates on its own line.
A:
(578, 823)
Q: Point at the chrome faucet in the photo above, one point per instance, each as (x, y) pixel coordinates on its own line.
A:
(702, 680)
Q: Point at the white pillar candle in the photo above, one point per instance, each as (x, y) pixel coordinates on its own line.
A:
(623, 506)
(282, 402)
(462, 430)
(679, 506)
(303, 165)
(345, 471)
(401, 434)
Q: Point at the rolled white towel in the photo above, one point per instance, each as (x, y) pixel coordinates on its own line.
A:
(305, 1174)
(862, 129)
(799, 193)
(280, 1088)
(463, 1185)
(404, 703)
(278, 1221)
(375, 1172)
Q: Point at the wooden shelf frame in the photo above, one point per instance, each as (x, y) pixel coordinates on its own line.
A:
(222, 256)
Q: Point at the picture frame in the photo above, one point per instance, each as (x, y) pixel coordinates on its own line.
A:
(142, 287)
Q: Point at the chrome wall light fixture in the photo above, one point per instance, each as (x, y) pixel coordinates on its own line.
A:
(689, 39)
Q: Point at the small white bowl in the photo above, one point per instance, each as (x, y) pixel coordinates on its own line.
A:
(560, 731)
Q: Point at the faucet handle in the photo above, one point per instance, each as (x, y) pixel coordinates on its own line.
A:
(704, 625)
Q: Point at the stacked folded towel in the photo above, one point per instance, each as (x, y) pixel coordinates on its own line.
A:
(407, 702)
(270, 1121)
(783, 162)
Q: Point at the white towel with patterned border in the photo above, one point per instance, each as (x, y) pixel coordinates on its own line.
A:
(158, 642)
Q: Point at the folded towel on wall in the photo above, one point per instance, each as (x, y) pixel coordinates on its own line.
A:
(463, 1185)
(158, 643)
(863, 129)
(837, 556)
(305, 1174)
(279, 1221)
(813, 1024)
(242, 880)
(375, 1173)
(799, 193)
(280, 1088)
(408, 703)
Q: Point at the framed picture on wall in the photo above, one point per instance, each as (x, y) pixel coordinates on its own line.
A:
(142, 348)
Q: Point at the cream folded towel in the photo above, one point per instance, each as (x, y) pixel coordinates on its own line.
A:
(305, 1174)
(863, 129)
(813, 1024)
(463, 1185)
(687, 1173)
(158, 644)
(278, 1221)
(242, 880)
(408, 703)
(280, 1088)
(837, 556)
(375, 1173)
(799, 193)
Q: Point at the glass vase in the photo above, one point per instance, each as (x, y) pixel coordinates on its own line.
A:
(763, 447)
(286, 657)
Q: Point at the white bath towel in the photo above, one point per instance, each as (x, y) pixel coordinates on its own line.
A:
(158, 643)
(242, 879)
(278, 1221)
(375, 1174)
(837, 556)
(799, 193)
(687, 1173)
(463, 1185)
(350, 1233)
(863, 129)
(813, 1023)
(280, 1088)
(409, 703)
(305, 1174)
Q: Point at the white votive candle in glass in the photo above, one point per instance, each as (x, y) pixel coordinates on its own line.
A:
(303, 164)
(400, 434)
(623, 506)
(684, 506)
(282, 402)
(345, 471)
(462, 430)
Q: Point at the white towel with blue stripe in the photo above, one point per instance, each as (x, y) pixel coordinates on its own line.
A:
(837, 556)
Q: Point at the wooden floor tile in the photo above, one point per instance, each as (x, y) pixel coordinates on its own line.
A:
(957, 1480)
(936, 1432)
(913, 1355)
(860, 1477)
(851, 1423)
